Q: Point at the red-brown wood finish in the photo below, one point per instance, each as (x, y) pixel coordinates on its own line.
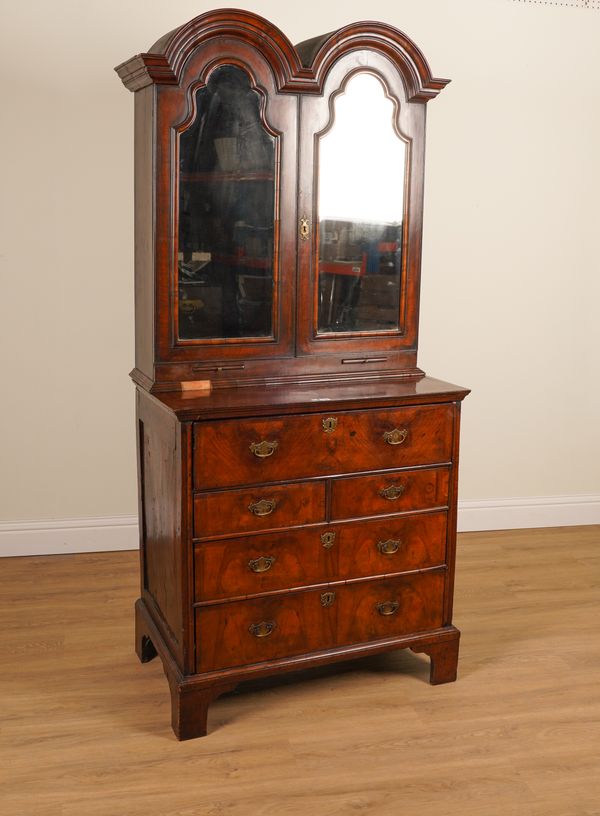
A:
(301, 446)
(386, 493)
(230, 568)
(302, 510)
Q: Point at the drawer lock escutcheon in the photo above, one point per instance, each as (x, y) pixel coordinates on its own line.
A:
(387, 607)
(391, 492)
(262, 507)
(327, 599)
(262, 629)
(264, 448)
(262, 564)
(328, 540)
(389, 547)
(396, 437)
(330, 424)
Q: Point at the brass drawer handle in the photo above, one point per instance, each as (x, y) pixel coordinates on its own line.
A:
(262, 564)
(396, 437)
(389, 547)
(262, 507)
(391, 492)
(387, 607)
(264, 448)
(262, 629)
(327, 599)
(327, 540)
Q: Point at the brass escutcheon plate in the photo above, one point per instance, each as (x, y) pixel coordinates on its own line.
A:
(330, 424)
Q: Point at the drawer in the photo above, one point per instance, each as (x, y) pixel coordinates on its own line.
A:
(228, 512)
(384, 493)
(389, 607)
(229, 568)
(251, 451)
(252, 631)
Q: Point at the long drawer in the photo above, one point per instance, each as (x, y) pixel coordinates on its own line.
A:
(252, 631)
(229, 512)
(251, 451)
(229, 568)
(380, 494)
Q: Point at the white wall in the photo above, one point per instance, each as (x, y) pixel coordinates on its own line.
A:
(511, 272)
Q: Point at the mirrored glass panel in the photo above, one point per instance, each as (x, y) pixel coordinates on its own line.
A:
(362, 163)
(226, 214)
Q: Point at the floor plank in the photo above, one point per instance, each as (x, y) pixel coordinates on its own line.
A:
(85, 727)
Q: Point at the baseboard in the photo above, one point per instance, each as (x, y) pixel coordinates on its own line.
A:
(537, 511)
(121, 532)
(63, 536)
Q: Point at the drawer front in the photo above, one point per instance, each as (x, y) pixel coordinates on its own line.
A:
(389, 607)
(263, 508)
(252, 451)
(252, 631)
(229, 568)
(359, 496)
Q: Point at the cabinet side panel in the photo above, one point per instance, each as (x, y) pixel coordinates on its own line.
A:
(160, 468)
(144, 231)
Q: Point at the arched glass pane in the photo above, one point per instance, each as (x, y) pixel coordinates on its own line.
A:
(226, 214)
(362, 163)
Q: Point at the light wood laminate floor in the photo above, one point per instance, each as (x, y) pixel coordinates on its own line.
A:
(85, 727)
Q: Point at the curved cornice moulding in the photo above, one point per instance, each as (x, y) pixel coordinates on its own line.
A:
(164, 63)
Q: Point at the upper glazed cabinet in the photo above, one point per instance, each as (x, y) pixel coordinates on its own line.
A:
(278, 203)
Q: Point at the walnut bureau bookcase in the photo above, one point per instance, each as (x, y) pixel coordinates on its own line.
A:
(297, 470)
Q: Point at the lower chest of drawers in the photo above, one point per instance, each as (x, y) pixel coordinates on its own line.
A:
(345, 545)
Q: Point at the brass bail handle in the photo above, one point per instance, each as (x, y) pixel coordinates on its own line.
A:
(262, 629)
(391, 492)
(396, 437)
(264, 448)
(262, 507)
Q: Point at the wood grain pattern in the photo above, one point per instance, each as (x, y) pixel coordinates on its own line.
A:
(356, 496)
(301, 624)
(301, 559)
(228, 512)
(85, 726)
(223, 455)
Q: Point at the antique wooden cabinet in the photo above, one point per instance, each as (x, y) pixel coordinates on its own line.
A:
(297, 470)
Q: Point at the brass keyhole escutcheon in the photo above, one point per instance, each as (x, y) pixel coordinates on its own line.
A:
(327, 540)
(262, 564)
(330, 424)
(327, 598)
(304, 228)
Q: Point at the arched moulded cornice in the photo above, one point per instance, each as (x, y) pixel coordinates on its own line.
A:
(165, 62)
(302, 69)
(320, 54)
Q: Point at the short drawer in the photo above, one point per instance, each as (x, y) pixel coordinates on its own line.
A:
(252, 631)
(230, 568)
(251, 451)
(389, 607)
(385, 493)
(229, 512)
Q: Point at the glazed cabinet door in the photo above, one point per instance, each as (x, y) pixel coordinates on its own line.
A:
(361, 158)
(226, 165)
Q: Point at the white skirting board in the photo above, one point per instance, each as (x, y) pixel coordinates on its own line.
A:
(121, 532)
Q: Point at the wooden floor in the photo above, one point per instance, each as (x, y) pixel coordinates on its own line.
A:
(86, 731)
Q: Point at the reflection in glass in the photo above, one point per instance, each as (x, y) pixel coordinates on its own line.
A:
(361, 204)
(226, 214)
